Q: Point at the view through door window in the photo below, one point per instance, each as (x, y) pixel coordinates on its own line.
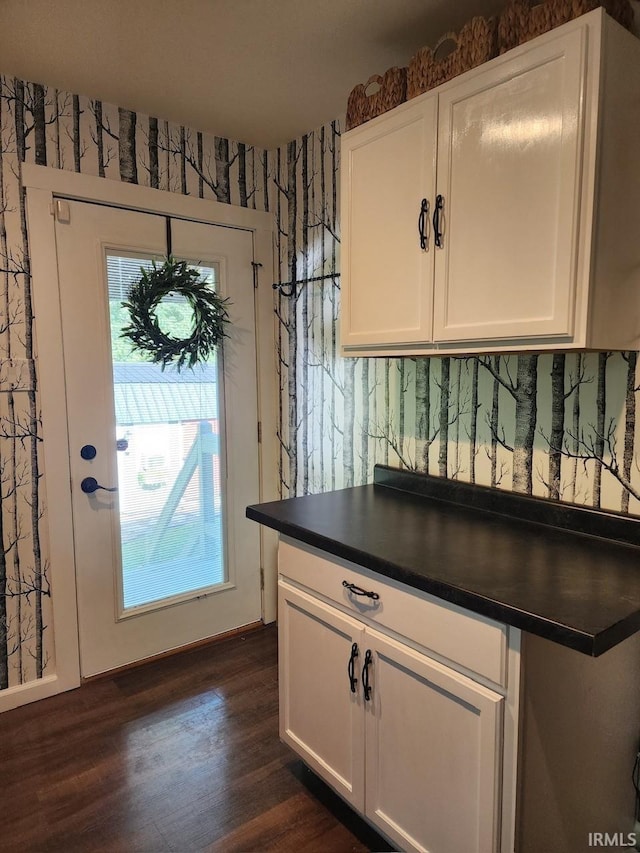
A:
(169, 440)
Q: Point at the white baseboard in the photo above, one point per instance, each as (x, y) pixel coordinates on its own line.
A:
(32, 691)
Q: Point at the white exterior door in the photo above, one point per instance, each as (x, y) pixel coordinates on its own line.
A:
(433, 753)
(389, 169)
(169, 558)
(509, 153)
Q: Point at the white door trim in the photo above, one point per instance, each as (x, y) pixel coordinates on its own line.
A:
(43, 185)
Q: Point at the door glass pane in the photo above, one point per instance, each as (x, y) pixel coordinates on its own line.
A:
(169, 443)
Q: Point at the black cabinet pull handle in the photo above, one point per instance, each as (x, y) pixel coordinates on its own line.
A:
(368, 659)
(423, 221)
(357, 590)
(437, 233)
(353, 681)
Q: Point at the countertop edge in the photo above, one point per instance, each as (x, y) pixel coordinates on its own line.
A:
(589, 644)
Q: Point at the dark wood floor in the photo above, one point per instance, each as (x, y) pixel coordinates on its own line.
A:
(177, 755)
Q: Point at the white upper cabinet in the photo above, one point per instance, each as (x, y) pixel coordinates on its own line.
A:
(527, 163)
(389, 165)
(509, 144)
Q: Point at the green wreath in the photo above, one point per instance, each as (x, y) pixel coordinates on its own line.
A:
(210, 315)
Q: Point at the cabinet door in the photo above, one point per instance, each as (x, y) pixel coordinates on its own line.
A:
(320, 717)
(433, 753)
(509, 168)
(388, 168)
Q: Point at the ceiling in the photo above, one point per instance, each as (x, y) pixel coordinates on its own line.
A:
(257, 71)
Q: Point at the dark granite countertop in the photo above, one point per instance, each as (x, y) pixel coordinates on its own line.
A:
(571, 575)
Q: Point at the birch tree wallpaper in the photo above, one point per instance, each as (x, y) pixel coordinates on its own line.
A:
(560, 426)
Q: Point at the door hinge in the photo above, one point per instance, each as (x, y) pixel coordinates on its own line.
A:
(259, 432)
(256, 266)
(61, 211)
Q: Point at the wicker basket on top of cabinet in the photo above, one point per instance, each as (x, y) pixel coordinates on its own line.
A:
(474, 44)
(366, 103)
(522, 20)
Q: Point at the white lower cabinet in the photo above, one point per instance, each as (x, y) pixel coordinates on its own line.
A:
(432, 752)
(320, 717)
(411, 743)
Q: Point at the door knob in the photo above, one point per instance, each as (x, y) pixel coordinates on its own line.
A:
(88, 451)
(90, 485)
